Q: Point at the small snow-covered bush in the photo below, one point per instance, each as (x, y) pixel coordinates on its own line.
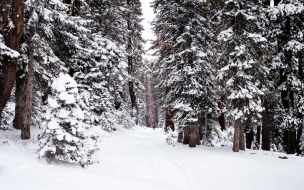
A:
(65, 137)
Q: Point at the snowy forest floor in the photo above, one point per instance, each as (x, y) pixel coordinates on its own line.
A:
(141, 159)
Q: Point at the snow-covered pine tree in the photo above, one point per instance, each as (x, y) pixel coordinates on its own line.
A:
(53, 37)
(134, 50)
(100, 67)
(243, 61)
(286, 37)
(184, 63)
(65, 138)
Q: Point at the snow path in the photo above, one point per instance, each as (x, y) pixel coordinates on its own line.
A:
(141, 159)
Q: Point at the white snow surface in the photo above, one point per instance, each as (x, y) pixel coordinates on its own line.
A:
(141, 159)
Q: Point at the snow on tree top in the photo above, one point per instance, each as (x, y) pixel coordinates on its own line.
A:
(63, 82)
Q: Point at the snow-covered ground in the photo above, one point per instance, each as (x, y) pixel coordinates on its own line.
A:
(141, 159)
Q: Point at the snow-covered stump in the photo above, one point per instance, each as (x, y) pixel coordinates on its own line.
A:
(65, 138)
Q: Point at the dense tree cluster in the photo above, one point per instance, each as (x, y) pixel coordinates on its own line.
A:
(238, 61)
(72, 62)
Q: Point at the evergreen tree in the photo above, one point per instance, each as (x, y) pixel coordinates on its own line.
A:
(184, 61)
(65, 137)
(134, 49)
(286, 37)
(243, 60)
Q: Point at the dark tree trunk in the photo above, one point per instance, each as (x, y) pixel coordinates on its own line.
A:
(249, 139)
(236, 140)
(291, 146)
(222, 120)
(133, 102)
(24, 98)
(193, 136)
(186, 135)
(299, 139)
(258, 137)
(20, 100)
(265, 127)
(242, 137)
(180, 137)
(12, 36)
(169, 121)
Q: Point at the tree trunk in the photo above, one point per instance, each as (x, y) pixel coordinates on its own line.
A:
(258, 137)
(291, 145)
(149, 101)
(186, 135)
(236, 140)
(20, 99)
(24, 96)
(249, 139)
(265, 127)
(180, 136)
(12, 36)
(133, 102)
(169, 121)
(193, 136)
(242, 137)
(27, 116)
(221, 119)
(299, 139)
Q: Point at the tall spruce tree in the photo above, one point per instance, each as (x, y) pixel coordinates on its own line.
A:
(243, 60)
(286, 37)
(184, 62)
(134, 49)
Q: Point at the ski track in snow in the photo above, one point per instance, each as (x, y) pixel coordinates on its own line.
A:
(141, 159)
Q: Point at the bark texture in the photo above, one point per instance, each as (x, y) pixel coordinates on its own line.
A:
(236, 140)
(242, 137)
(193, 136)
(12, 37)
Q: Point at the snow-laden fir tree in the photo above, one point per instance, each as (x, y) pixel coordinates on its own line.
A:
(243, 60)
(65, 137)
(287, 45)
(100, 66)
(134, 50)
(184, 63)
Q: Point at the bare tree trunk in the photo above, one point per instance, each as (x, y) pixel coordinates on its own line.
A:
(12, 36)
(193, 136)
(133, 102)
(222, 120)
(180, 136)
(149, 99)
(249, 139)
(265, 127)
(20, 99)
(291, 145)
(186, 135)
(236, 140)
(27, 116)
(258, 137)
(242, 137)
